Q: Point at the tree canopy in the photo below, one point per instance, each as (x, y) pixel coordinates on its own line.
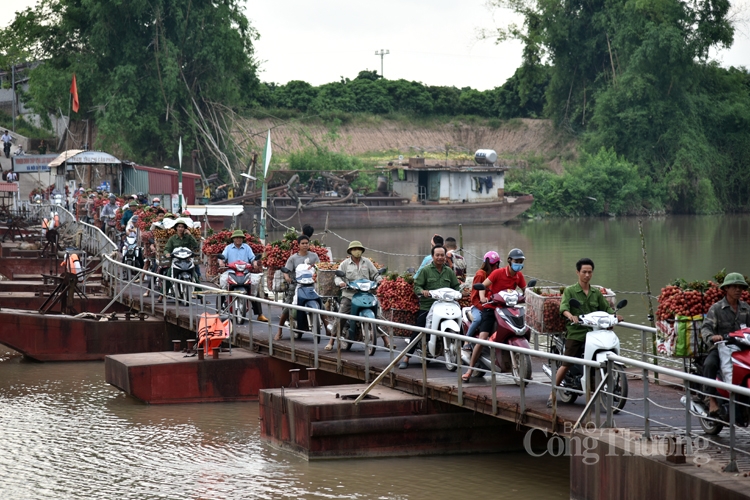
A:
(148, 72)
(634, 75)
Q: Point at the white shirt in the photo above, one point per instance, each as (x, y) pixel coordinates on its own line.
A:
(7, 138)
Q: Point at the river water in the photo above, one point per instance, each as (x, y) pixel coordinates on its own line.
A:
(65, 433)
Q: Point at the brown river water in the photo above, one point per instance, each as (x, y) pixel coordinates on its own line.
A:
(65, 433)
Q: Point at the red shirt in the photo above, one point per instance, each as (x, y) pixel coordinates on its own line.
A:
(479, 277)
(501, 280)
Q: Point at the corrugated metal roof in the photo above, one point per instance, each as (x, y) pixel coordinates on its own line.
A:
(134, 181)
(161, 183)
(8, 187)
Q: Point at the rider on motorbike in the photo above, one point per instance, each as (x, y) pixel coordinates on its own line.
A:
(356, 267)
(434, 275)
(503, 278)
(491, 262)
(728, 315)
(303, 256)
(239, 250)
(591, 300)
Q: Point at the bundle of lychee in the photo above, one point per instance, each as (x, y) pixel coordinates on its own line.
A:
(695, 298)
(397, 292)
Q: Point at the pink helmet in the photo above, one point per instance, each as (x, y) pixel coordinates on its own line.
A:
(185, 213)
(492, 257)
(156, 200)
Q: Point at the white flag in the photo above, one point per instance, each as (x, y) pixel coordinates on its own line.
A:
(267, 154)
(179, 153)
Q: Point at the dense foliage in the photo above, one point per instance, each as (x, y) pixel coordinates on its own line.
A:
(634, 76)
(146, 70)
(368, 93)
(600, 184)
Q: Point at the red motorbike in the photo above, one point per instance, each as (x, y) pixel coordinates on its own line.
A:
(737, 347)
(240, 280)
(510, 315)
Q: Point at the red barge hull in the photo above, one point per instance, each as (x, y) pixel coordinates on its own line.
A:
(371, 214)
(64, 338)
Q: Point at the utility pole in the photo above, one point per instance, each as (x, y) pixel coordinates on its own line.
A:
(13, 88)
(382, 54)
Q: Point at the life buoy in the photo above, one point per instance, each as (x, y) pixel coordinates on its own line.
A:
(72, 263)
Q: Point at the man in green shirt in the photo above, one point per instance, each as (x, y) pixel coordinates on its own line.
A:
(591, 300)
(182, 239)
(434, 275)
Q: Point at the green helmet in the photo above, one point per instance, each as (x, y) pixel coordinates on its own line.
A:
(734, 279)
(238, 234)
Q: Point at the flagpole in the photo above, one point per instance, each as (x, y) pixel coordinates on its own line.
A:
(179, 177)
(264, 192)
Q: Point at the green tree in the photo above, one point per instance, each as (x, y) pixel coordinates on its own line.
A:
(147, 71)
(633, 75)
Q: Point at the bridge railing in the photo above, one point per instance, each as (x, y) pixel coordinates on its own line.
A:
(122, 277)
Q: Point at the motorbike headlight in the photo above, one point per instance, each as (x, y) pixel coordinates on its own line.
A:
(365, 287)
(604, 323)
(240, 267)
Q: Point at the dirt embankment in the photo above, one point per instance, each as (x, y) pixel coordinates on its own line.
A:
(516, 138)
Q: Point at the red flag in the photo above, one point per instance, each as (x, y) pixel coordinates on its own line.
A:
(74, 91)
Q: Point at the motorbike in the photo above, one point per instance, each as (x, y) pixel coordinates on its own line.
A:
(738, 349)
(183, 268)
(132, 253)
(446, 317)
(364, 304)
(307, 296)
(600, 341)
(510, 315)
(6, 149)
(241, 280)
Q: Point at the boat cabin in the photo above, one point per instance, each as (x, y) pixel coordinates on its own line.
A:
(461, 183)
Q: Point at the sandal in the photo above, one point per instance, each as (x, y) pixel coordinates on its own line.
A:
(466, 377)
(328, 347)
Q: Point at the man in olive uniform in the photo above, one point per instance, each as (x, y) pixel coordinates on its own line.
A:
(726, 316)
(591, 300)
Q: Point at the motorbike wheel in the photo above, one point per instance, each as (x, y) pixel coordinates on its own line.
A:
(311, 322)
(711, 427)
(368, 332)
(451, 355)
(620, 389)
(239, 309)
(562, 395)
(517, 375)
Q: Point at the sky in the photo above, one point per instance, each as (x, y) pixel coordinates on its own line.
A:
(431, 41)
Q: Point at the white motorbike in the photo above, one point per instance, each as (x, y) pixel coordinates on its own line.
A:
(446, 317)
(600, 341)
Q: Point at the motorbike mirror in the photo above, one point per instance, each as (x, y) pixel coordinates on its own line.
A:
(340, 274)
(285, 270)
(575, 303)
(621, 304)
(478, 286)
(383, 270)
(531, 284)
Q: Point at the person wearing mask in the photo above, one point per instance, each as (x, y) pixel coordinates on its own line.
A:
(509, 277)
(107, 214)
(356, 267)
(303, 256)
(591, 300)
(156, 206)
(434, 275)
(491, 262)
(724, 317)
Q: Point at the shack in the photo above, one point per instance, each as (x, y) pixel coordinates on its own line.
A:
(158, 182)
